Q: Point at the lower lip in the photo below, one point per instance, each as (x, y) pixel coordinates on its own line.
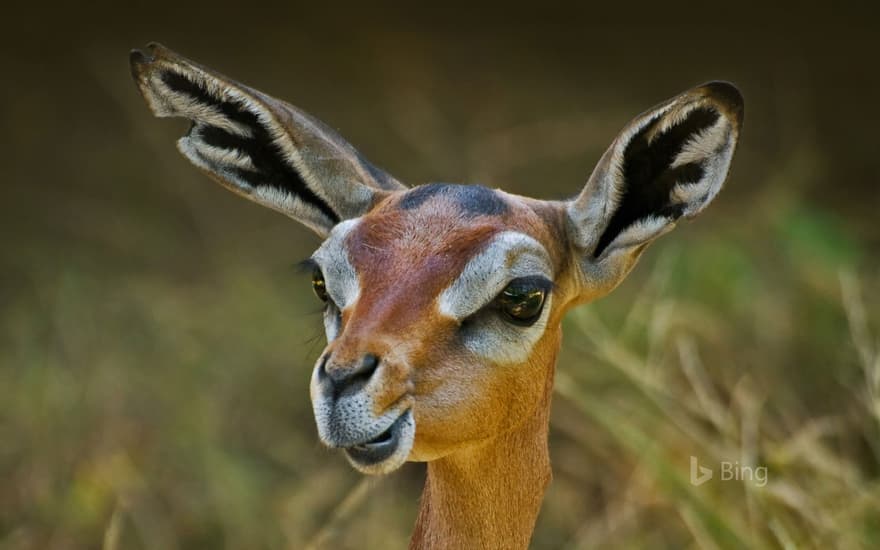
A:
(369, 454)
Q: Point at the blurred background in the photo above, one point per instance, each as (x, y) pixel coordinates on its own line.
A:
(156, 339)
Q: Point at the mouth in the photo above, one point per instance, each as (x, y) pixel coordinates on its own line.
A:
(388, 450)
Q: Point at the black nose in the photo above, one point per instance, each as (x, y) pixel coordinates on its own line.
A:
(340, 378)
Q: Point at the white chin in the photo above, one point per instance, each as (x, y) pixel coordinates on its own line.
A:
(387, 456)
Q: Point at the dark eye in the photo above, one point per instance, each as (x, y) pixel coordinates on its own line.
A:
(522, 300)
(319, 285)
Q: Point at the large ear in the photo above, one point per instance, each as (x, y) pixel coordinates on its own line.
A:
(259, 147)
(668, 163)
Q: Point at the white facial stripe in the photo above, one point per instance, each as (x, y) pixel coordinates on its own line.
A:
(339, 273)
(508, 256)
(497, 340)
(331, 323)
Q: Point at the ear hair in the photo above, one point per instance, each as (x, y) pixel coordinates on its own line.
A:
(667, 163)
(259, 147)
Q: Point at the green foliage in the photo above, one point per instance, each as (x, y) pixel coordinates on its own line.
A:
(156, 345)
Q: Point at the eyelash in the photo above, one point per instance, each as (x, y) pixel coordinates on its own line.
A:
(495, 306)
(521, 302)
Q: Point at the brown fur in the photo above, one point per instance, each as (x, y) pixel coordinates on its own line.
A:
(487, 446)
(482, 427)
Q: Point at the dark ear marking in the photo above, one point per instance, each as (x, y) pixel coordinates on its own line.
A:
(181, 84)
(648, 175)
(666, 164)
(270, 169)
(259, 147)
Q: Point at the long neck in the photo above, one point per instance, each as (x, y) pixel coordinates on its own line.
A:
(488, 496)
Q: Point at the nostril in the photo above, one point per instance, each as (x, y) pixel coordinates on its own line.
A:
(350, 378)
(369, 364)
(322, 368)
(361, 375)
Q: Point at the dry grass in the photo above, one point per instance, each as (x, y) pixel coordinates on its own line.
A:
(155, 342)
(167, 414)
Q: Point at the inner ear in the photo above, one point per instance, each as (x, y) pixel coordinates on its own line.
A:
(261, 148)
(650, 173)
(238, 145)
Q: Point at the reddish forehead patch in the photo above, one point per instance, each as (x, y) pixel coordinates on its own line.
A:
(404, 257)
(415, 244)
